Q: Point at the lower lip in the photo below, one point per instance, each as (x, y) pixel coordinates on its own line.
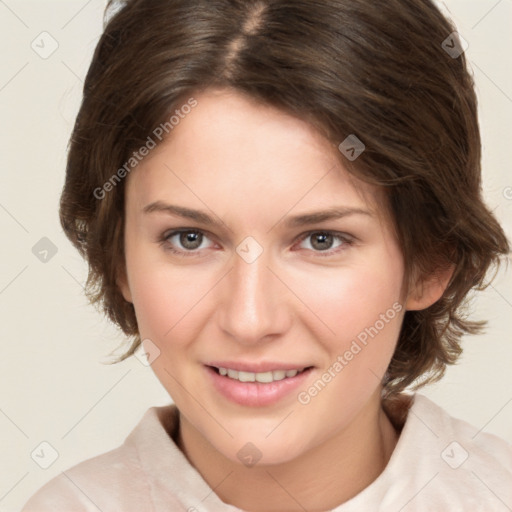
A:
(256, 394)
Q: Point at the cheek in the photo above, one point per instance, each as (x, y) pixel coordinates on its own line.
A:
(349, 300)
(163, 295)
(361, 305)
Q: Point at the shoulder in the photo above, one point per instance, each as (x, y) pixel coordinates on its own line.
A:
(115, 480)
(439, 463)
(466, 441)
(81, 487)
(445, 461)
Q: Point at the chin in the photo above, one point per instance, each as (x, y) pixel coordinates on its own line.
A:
(261, 451)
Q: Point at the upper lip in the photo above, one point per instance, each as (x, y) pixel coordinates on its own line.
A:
(260, 367)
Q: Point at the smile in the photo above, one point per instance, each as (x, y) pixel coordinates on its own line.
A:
(256, 385)
(263, 377)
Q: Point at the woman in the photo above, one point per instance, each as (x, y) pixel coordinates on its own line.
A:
(282, 200)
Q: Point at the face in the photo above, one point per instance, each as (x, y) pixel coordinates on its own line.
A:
(231, 269)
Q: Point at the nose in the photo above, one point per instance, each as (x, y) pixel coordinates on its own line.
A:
(254, 306)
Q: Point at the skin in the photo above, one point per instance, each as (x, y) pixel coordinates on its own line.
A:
(252, 167)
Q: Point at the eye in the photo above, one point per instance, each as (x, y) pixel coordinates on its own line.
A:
(188, 241)
(323, 241)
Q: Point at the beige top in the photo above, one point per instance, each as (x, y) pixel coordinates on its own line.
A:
(439, 464)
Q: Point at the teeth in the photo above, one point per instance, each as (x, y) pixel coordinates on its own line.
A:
(279, 374)
(246, 376)
(233, 374)
(264, 377)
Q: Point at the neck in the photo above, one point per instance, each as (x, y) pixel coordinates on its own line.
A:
(320, 479)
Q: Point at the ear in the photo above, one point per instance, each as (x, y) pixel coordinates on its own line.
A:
(427, 290)
(122, 283)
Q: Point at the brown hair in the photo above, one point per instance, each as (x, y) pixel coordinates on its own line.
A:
(374, 69)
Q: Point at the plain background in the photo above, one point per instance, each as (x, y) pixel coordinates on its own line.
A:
(54, 384)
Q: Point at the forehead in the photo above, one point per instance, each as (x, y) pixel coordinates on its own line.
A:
(233, 152)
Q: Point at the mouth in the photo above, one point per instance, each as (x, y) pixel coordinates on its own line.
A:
(257, 385)
(266, 377)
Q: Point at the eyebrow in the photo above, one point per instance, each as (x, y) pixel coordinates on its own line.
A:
(294, 221)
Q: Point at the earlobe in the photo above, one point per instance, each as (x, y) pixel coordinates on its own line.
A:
(122, 283)
(428, 290)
